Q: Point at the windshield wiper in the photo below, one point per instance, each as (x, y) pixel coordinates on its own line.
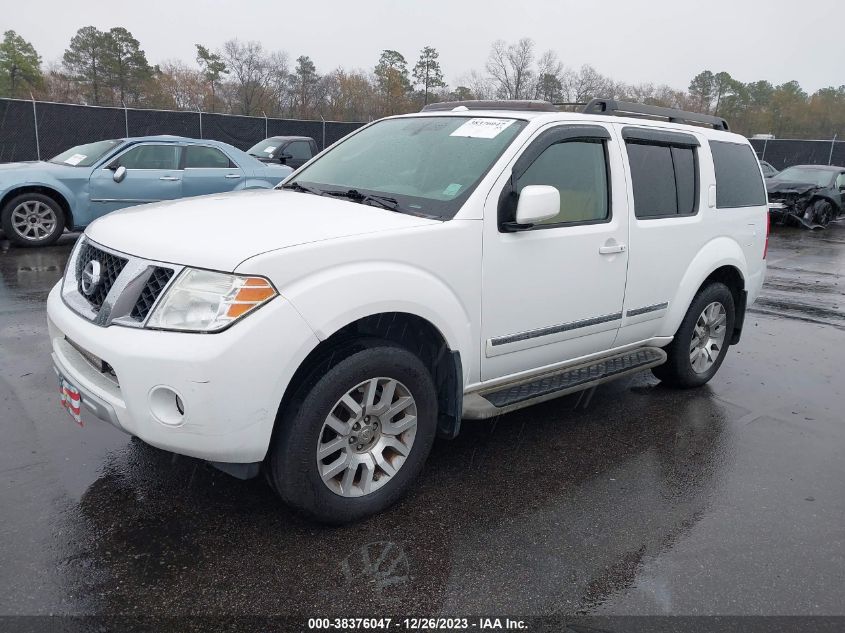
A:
(386, 202)
(295, 186)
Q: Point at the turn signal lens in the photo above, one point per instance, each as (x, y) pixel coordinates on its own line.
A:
(252, 294)
(207, 301)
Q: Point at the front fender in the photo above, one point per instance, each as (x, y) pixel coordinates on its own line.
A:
(58, 186)
(717, 253)
(339, 295)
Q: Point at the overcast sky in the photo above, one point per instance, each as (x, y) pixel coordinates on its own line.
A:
(659, 41)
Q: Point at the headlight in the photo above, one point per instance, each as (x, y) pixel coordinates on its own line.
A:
(205, 301)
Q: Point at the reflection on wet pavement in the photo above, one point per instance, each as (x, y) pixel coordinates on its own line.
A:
(632, 498)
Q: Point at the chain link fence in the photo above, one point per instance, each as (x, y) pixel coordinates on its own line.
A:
(782, 153)
(35, 130)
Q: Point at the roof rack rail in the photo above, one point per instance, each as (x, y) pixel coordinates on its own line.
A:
(525, 105)
(625, 108)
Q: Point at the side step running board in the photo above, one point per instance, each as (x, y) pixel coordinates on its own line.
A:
(503, 399)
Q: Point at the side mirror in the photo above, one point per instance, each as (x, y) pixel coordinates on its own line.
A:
(537, 203)
(119, 173)
(283, 158)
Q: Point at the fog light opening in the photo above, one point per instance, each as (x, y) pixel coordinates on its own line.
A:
(167, 406)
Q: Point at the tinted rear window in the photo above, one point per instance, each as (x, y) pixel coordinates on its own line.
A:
(738, 180)
(664, 179)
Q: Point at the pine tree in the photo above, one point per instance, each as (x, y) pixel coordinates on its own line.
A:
(427, 72)
(20, 65)
(124, 64)
(213, 67)
(392, 77)
(84, 61)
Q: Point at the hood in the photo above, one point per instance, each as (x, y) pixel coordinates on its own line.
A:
(220, 231)
(787, 186)
(13, 170)
(274, 170)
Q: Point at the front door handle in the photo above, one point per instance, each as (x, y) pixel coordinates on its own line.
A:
(610, 250)
(232, 176)
(169, 178)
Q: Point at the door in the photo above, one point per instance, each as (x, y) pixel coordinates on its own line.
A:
(209, 170)
(152, 175)
(553, 292)
(299, 152)
(667, 228)
(840, 187)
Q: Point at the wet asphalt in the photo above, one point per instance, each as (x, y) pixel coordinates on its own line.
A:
(629, 499)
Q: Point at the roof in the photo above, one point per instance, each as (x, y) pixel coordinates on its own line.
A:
(608, 107)
(540, 118)
(293, 138)
(820, 167)
(169, 138)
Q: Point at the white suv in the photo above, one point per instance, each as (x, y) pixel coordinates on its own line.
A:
(462, 262)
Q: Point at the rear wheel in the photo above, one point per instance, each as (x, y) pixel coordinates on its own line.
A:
(351, 445)
(702, 340)
(32, 219)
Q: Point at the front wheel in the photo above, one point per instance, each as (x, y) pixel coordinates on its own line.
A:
(701, 342)
(352, 444)
(822, 213)
(32, 219)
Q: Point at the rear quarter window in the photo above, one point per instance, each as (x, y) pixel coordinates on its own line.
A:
(738, 180)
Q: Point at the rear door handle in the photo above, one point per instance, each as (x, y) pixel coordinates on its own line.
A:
(610, 250)
(232, 176)
(169, 178)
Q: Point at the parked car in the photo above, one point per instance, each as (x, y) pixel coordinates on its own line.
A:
(808, 195)
(768, 170)
(38, 200)
(293, 151)
(466, 261)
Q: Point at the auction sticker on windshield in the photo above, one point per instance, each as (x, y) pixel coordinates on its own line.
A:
(75, 159)
(483, 128)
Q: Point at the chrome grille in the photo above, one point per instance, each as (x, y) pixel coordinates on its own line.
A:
(128, 289)
(152, 289)
(110, 267)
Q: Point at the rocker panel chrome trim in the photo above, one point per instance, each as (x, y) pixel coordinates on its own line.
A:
(647, 309)
(554, 329)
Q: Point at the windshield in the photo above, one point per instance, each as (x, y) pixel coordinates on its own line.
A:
(85, 155)
(268, 148)
(428, 165)
(819, 177)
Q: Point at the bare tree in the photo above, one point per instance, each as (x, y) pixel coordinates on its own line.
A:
(178, 87)
(278, 84)
(479, 86)
(251, 72)
(548, 85)
(582, 85)
(510, 67)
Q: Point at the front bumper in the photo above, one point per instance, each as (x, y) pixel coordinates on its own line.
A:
(230, 383)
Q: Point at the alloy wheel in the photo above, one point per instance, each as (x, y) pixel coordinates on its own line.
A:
(708, 337)
(34, 220)
(366, 437)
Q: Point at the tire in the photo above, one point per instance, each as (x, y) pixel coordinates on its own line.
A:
(32, 219)
(823, 212)
(293, 465)
(680, 370)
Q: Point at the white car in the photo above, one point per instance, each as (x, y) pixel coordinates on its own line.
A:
(462, 262)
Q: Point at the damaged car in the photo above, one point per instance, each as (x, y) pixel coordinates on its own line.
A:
(807, 195)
